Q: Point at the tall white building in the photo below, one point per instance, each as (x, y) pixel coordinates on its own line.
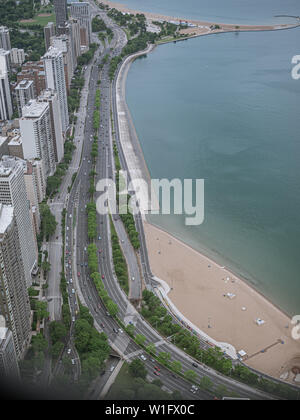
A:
(14, 299)
(4, 38)
(63, 43)
(9, 368)
(17, 56)
(24, 93)
(82, 12)
(7, 55)
(6, 109)
(50, 96)
(36, 131)
(39, 179)
(13, 192)
(55, 79)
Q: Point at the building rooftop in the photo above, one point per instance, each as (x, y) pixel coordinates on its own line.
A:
(2, 140)
(24, 84)
(8, 163)
(33, 109)
(6, 217)
(52, 53)
(15, 141)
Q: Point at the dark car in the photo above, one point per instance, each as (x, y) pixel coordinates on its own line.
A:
(195, 365)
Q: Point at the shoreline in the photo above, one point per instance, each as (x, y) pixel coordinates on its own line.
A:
(183, 302)
(227, 26)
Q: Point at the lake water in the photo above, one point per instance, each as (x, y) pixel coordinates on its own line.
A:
(227, 11)
(226, 109)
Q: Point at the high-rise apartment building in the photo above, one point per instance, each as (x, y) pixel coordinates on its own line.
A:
(4, 38)
(61, 11)
(82, 12)
(39, 179)
(6, 109)
(36, 132)
(9, 368)
(17, 56)
(63, 43)
(34, 70)
(7, 55)
(24, 93)
(49, 31)
(55, 80)
(14, 299)
(13, 192)
(72, 29)
(50, 96)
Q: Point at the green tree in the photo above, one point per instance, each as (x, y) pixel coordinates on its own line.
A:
(112, 308)
(56, 349)
(176, 366)
(190, 375)
(41, 310)
(39, 343)
(206, 383)
(140, 339)
(137, 369)
(57, 331)
(151, 348)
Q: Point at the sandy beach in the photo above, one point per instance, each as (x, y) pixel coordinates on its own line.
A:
(199, 289)
(204, 28)
(215, 300)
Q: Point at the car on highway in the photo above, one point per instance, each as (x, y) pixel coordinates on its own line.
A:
(143, 357)
(69, 351)
(157, 368)
(194, 389)
(99, 238)
(73, 362)
(156, 373)
(195, 365)
(73, 319)
(73, 291)
(132, 278)
(100, 250)
(120, 331)
(102, 276)
(89, 297)
(71, 281)
(78, 274)
(115, 330)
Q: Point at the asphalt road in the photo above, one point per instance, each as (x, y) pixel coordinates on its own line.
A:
(79, 273)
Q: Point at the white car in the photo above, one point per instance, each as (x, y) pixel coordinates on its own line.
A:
(120, 331)
(73, 291)
(73, 362)
(71, 281)
(132, 278)
(143, 357)
(69, 351)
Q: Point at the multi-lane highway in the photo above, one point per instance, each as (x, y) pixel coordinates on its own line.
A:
(77, 243)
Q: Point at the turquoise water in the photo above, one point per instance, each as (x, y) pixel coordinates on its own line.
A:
(225, 108)
(227, 11)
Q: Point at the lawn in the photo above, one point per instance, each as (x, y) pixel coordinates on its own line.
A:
(39, 20)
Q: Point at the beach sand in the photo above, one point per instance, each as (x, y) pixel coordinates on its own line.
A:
(198, 31)
(198, 286)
